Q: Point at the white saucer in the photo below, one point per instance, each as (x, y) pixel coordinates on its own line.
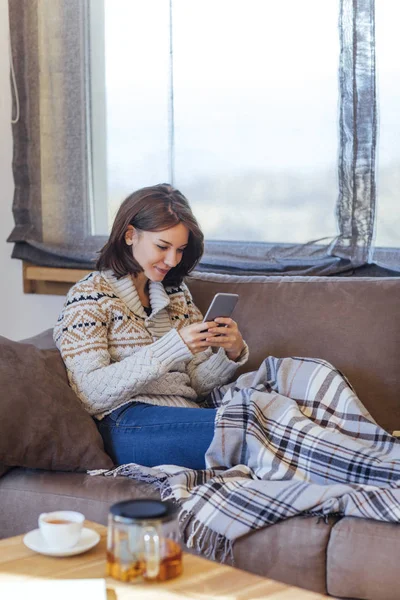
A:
(34, 541)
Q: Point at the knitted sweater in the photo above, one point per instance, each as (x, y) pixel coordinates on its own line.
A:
(115, 353)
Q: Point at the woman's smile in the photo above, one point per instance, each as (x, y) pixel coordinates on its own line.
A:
(161, 270)
(165, 247)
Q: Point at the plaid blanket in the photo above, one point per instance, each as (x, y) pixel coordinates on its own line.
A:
(290, 439)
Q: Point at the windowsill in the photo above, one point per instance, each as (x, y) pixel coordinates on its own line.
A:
(50, 280)
(58, 280)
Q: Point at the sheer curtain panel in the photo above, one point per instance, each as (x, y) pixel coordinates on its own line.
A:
(200, 93)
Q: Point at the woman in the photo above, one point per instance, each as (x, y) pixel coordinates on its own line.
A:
(136, 350)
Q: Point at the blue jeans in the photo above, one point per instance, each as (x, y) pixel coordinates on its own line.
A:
(156, 435)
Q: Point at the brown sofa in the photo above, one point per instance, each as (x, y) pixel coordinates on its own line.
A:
(352, 322)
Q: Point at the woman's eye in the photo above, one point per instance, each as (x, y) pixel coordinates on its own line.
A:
(162, 247)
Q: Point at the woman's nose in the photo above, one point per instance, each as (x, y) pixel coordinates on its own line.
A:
(171, 260)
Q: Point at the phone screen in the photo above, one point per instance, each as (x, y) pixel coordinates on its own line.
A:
(222, 305)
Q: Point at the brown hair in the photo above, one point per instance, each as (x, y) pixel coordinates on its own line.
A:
(152, 208)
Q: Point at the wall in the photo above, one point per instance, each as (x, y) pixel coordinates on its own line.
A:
(21, 315)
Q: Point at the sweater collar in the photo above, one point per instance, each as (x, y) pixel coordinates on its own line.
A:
(125, 289)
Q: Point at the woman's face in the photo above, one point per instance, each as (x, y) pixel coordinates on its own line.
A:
(158, 251)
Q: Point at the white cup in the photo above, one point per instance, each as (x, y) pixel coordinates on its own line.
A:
(61, 529)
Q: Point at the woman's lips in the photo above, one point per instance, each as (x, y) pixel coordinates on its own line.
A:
(163, 271)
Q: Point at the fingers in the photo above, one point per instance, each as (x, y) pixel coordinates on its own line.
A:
(221, 339)
(195, 336)
(225, 335)
(200, 336)
(199, 327)
(218, 331)
(226, 321)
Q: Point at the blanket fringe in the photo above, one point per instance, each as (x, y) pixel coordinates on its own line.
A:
(193, 532)
(134, 472)
(204, 540)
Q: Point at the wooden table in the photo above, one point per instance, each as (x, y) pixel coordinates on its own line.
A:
(201, 579)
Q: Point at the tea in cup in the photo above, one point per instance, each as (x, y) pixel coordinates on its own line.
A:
(61, 529)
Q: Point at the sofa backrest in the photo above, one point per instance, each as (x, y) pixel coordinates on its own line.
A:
(352, 322)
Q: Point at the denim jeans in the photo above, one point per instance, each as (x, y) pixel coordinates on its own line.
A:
(156, 435)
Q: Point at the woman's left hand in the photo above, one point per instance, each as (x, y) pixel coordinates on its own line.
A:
(227, 337)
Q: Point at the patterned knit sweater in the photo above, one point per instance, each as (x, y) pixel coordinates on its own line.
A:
(115, 353)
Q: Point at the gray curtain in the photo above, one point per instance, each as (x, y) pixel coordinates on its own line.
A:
(357, 127)
(50, 163)
(52, 147)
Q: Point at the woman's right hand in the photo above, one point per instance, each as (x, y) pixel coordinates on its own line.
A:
(195, 336)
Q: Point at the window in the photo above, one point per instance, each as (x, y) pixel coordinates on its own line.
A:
(230, 101)
(263, 113)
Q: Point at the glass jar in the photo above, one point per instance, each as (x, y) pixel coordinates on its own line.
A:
(143, 541)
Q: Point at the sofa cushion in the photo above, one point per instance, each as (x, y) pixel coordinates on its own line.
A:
(43, 425)
(292, 551)
(27, 492)
(363, 559)
(43, 340)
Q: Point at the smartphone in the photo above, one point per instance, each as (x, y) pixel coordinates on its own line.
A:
(222, 305)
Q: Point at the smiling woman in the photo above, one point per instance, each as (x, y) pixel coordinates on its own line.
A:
(155, 255)
(137, 352)
(139, 221)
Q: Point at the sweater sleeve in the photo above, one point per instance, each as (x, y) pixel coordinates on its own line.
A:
(100, 384)
(208, 370)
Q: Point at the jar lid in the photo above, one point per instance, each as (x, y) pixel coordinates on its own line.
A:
(144, 510)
